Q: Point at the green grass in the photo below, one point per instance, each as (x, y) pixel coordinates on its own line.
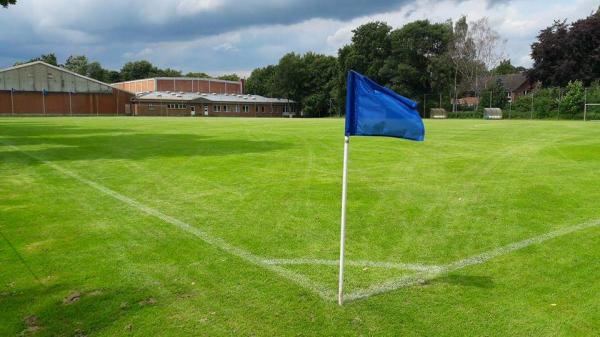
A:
(272, 188)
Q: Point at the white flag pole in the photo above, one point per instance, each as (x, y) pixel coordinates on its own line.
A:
(343, 222)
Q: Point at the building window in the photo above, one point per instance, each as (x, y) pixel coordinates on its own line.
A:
(216, 108)
(237, 108)
(176, 106)
(225, 108)
(256, 108)
(245, 108)
(262, 108)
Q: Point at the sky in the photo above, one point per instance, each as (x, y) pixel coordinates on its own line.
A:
(226, 36)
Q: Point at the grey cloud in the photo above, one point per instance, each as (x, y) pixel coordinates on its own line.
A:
(166, 22)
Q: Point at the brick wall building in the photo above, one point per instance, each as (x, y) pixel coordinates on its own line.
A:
(185, 84)
(38, 88)
(167, 103)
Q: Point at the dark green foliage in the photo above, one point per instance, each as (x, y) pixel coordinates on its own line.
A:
(95, 71)
(5, 3)
(262, 81)
(521, 108)
(565, 53)
(546, 103)
(506, 68)
(412, 60)
(77, 64)
(229, 77)
(572, 102)
(496, 96)
(144, 69)
(197, 75)
(309, 79)
(48, 58)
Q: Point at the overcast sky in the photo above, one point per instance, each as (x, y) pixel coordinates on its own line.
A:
(224, 36)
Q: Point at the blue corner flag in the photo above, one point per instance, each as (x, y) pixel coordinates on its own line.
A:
(374, 110)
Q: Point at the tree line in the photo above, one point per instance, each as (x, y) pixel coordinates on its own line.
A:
(454, 58)
(134, 70)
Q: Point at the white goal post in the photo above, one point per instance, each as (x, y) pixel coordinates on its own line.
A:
(585, 108)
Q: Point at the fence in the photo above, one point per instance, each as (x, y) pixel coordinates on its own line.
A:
(543, 103)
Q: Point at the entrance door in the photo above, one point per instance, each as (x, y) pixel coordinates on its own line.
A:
(193, 110)
(205, 110)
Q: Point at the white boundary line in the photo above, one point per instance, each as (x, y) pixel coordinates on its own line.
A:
(425, 272)
(356, 263)
(297, 278)
(396, 283)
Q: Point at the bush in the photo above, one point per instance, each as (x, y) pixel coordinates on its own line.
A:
(572, 103)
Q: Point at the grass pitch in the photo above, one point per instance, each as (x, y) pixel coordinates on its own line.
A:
(93, 238)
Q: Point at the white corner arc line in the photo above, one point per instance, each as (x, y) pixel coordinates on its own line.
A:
(301, 280)
(418, 278)
(356, 263)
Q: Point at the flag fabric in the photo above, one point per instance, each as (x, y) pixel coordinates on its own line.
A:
(374, 110)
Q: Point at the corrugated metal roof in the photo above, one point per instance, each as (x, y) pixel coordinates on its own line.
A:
(206, 98)
(24, 65)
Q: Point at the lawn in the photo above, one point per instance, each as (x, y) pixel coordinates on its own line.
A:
(227, 227)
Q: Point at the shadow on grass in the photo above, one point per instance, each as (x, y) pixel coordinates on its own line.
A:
(52, 311)
(24, 129)
(466, 281)
(58, 143)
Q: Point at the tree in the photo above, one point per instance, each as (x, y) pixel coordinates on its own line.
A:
(197, 75)
(489, 46)
(564, 53)
(262, 81)
(573, 100)
(94, 70)
(77, 64)
(476, 49)
(309, 79)
(505, 68)
(137, 70)
(290, 77)
(462, 54)
(494, 96)
(372, 45)
(229, 77)
(418, 60)
(144, 69)
(113, 76)
(167, 72)
(319, 84)
(5, 3)
(47, 58)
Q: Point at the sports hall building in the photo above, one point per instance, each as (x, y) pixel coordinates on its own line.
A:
(38, 88)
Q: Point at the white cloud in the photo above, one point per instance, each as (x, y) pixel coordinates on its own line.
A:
(191, 7)
(518, 22)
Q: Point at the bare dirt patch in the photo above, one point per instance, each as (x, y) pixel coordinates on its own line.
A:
(32, 323)
(72, 298)
(148, 301)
